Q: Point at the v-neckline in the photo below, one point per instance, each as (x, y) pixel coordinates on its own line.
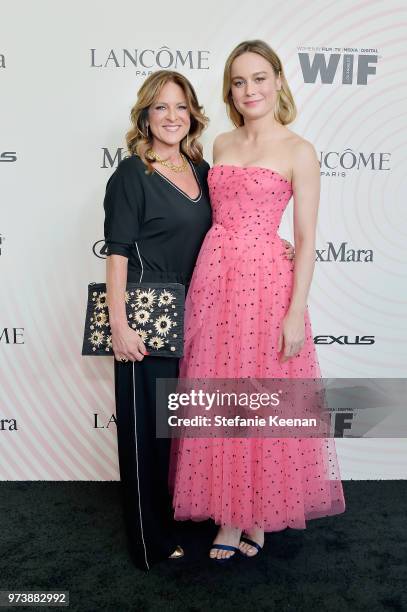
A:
(198, 197)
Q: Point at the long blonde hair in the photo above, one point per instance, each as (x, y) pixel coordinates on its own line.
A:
(139, 137)
(285, 110)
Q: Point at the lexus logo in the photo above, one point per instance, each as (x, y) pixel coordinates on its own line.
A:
(8, 156)
(344, 340)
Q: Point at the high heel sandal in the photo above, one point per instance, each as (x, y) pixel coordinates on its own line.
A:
(224, 547)
(177, 554)
(251, 543)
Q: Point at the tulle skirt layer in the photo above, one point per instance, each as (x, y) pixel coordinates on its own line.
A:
(238, 297)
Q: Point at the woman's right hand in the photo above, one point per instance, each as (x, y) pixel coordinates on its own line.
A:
(127, 344)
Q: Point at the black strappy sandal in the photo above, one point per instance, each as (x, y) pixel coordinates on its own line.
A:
(251, 543)
(224, 547)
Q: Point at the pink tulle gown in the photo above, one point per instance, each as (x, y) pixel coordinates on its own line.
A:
(239, 294)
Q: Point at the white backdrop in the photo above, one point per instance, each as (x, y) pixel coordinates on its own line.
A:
(63, 106)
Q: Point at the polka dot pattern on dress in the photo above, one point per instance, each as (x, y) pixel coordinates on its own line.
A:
(239, 294)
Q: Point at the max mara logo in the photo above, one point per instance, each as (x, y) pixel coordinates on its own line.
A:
(343, 254)
(111, 159)
(8, 425)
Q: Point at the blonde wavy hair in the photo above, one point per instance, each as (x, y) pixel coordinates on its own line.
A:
(285, 110)
(139, 137)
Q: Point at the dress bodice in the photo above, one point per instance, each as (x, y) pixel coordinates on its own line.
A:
(248, 200)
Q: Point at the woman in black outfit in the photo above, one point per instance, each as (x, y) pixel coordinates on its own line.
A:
(157, 213)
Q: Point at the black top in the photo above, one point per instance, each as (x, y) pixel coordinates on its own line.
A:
(153, 223)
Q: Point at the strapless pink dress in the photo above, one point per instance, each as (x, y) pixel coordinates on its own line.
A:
(239, 294)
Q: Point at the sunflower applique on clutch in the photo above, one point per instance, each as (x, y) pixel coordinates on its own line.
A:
(154, 310)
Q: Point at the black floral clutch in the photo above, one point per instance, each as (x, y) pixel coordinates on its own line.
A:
(154, 310)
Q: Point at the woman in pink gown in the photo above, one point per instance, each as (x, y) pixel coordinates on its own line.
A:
(247, 316)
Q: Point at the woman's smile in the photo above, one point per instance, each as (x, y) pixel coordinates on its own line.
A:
(251, 102)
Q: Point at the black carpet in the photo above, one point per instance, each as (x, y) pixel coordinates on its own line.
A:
(70, 536)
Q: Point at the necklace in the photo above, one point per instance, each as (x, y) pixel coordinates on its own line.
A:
(164, 162)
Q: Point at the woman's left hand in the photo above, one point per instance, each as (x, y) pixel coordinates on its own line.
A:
(289, 251)
(292, 335)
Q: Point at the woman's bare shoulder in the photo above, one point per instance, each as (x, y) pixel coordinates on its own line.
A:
(223, 141)
(300, 147)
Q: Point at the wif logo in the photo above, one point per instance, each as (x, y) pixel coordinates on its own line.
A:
(351, 64)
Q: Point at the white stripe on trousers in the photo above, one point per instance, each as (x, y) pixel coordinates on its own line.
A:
(138, 482)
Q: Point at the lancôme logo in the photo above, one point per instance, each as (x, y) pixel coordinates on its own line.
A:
(338, 163)
(147, 60)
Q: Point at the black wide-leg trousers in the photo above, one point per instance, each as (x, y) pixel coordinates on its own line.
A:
(144, 460)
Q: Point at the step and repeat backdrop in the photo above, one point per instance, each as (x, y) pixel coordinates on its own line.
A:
(69, 73)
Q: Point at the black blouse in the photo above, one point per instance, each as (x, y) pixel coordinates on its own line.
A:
(153, 223)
